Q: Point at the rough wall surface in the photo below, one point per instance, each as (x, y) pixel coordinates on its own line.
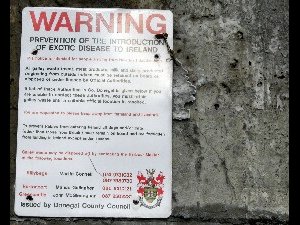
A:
(230, 127)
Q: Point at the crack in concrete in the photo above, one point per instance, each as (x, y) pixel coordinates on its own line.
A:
(223, 164)
(227, 179)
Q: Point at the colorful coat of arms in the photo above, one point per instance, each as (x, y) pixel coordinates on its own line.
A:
(150, 189)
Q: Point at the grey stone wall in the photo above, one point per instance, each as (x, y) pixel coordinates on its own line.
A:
(230, 127)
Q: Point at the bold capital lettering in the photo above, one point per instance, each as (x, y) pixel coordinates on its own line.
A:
(119, 27)
(130, 20)
(109, 27)
(87, 22)
(63, 16)
(42, 17)
(162, 26)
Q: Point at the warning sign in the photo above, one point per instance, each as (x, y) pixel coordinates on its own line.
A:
(95, 113)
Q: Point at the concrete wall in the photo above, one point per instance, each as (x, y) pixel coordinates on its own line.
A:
(230, 127)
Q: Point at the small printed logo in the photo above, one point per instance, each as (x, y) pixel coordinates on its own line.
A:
(150, 188)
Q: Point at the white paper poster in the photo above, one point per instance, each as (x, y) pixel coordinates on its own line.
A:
(94, 122)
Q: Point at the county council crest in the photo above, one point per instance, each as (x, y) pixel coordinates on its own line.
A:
(150, 188)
